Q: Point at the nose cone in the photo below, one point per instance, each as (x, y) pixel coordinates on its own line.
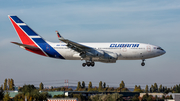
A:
(163, 52)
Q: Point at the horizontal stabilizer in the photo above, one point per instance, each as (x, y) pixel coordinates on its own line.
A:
(25, 46)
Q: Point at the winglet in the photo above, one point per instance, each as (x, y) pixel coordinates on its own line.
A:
(59, 36)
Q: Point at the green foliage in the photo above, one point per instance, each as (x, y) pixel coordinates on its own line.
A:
(6, 97)
(160, 88)
(147, 97)
(122, 84)
(28, 89)
(31, 93)
(5, 85)
(104, 85)
(155, 87)
(19, 97)
(107, 97)
(110, 89)
(1, 93)
(78, 86)
(166, 90)
(8, 83)
(177, 88)
(146, 89)
(117, 97)
(124, 90)
(137, 89)
(100, 86)
(163, 97)
(41, 86)
(83, 84)
(31, 96)
(135, 98)
(90, 86)
(59, 96)
(170, 97)
(80, 97)
(11, 85)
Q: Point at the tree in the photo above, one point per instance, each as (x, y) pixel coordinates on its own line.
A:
(163, 89)
(116, 97)
(78, 85)
(90, 86)
(137, 89)
(122, 84)
(6, 97)
(170, 97)
(27, 89)
(147, 97)
(135, 98)
(19, 97)
(100, 86)
(83, 84)
(5, 84)
(41, 86)
(1, 93)
(31, 94)
(160, 88)
(146, 89)
(104, 85)
(155, 87)
(11, 84)
(152, 88)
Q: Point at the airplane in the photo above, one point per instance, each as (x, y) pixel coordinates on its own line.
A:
(108, 52)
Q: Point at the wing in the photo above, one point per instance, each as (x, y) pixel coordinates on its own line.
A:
(73, 45)
(89, 52)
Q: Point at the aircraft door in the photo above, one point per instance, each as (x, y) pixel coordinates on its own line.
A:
(148, 48)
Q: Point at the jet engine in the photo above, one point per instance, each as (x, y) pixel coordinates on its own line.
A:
(109, 57)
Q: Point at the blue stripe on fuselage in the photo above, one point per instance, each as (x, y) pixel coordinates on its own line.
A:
(51, 52)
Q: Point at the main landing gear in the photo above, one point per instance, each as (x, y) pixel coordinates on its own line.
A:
(143, 64)
(88, 64)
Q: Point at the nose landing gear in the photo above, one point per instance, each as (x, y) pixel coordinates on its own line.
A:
(143, 64)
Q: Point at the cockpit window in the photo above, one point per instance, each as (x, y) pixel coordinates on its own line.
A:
(160, 48)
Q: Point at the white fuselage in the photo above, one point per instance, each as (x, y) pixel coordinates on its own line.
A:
(143, 51)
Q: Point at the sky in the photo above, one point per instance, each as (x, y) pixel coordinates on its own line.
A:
(147, 21)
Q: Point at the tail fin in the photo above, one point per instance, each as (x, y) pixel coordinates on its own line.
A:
(27, 35)
(30, 39)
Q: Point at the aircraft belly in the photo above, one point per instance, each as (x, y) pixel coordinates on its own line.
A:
(69, 54)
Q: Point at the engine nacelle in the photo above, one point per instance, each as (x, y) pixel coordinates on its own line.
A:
(100, 55)
(93, 53)
(109, 57)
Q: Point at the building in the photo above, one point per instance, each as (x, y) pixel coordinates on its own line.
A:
(62, 99)
(153, 94)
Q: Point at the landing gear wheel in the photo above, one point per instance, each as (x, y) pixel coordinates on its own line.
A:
(142, 64)
(92, 64)
(84, 64)
(88, 64)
